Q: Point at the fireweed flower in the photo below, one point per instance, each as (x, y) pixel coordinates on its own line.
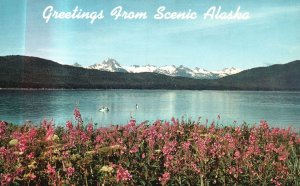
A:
(3, 151)
(69, 125)
(186, 145)
(195, 168)
(174, 121)
(168, 161)
(70, 171)
(6, 179)
(77, 115)
(244, 155)
(30, 156)
(270, 147)
(49, 133)
(235, 171)
(164, 178)
(252, 138)
(264, 125)
(283, 155)
(237, 154)
(99, 139)
(169, 147)
(22, 145)
(134, 150)
(123, 174)
(2, 128)
(50, 170)
(238, 131)
(89, 128)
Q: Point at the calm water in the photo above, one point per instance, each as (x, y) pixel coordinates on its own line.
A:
(278, 108)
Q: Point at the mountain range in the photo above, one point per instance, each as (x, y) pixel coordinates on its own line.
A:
(33, 72)
(111, 65)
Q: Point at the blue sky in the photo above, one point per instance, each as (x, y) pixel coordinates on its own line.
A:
(271, 35)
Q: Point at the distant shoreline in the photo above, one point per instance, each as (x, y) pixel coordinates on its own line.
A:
(21, 72)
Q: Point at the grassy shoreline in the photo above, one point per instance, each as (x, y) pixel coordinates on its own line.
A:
(159, 153)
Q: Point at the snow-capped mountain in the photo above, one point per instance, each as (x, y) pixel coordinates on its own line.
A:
(227, 71)
(169, 70)
(112, 65)
(140, 69)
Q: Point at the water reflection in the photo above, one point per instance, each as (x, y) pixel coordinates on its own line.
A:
(279, 108)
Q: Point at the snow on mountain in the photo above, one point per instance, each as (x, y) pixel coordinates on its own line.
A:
(140, 69)
(198, 70)
(169, 70)
(112, 65)
(200, 73)
(184, 71)
(227, 71)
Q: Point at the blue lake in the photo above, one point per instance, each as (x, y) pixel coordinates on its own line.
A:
(278, 108)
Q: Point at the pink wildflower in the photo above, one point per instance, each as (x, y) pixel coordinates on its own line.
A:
(49, 133)
(99, 139)
(19, 171)
(252, 138)
(6, 179)
(70, 171)
(165, 178)
(238, 131)
(264, 125)
(22, 145)
(168, 162)
(3, 151)
(231, 170)
(50, 170)
(186, 145)
(123, 174)
(89, 128)
(174, 121)
(275, 181)
(2, 128)
(237, 154)
(229, 138)
(195, 168)
(283, 155)
(30, 156)
(77, 115)
(31, 134)
(169, 147)
(134, 150)
(131, 125)
(69, 125)
(270, 147)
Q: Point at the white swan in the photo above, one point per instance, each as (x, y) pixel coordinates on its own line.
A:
(104, 109)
